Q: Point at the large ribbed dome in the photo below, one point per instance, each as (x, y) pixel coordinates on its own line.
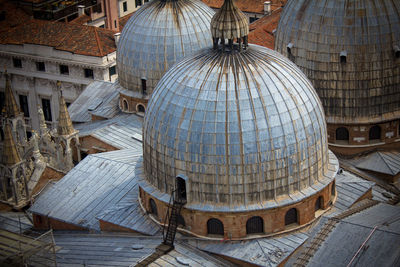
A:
(156, 36)
(244, 127)
(350, 50)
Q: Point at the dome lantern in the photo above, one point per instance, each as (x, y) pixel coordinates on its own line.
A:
(229, 23)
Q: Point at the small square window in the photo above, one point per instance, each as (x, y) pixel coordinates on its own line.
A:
(40, 66)
(64, 69)
(125, 6)
(17, 63)
(112, 71)
(89, 73)
(138, 3)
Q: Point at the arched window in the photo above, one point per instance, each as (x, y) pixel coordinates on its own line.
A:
(215, 227)
(343, 56)
(342, 134)
(319, 203)
(291, 216)
(375, 133)
(125, 103)
(255, 225)
(153, 207)
(140, 108)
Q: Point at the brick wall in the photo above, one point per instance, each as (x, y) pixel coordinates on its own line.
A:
(235, 223)
(132, 103)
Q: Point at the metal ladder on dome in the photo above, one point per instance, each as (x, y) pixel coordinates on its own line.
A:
(175, 205)
(172, 217)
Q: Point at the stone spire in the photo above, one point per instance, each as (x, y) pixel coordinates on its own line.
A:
(10, 105)
(64, 121)
(10, 152)
(229, 23)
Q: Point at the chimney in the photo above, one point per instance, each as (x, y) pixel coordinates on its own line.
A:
(267, 7)
(81, 10)
(116, 37)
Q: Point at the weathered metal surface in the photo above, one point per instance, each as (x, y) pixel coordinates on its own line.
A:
(128, 214)
(350, 189)
(122, 131)
(245, 128)
(381, 243)
(156, 36)
(382, 162)
(96, 184)
(229, 22)
(365, 88)
(99, 98)
(261, 252)
(115, 249)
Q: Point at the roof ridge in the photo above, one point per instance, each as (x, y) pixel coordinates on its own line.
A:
(98, 41)
(383, 159)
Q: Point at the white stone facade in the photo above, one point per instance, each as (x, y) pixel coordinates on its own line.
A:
(38, 84)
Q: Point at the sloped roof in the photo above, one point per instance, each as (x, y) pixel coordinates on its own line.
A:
(99, 98)
(349, 234)
(97, 183)
(74, 38)
(260, 252)
(14, 16)
(251, 6)
(123, 20)
(115, 249)
(382, 162)
(122, 131)
(261, 31)
(81, 20)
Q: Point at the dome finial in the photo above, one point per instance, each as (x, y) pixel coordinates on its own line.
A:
(229, 23)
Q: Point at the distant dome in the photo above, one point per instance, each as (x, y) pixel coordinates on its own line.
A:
(350, 50)
(244, 128)
(156, 36)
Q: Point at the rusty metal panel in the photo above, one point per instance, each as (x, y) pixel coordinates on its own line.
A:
(362, 87)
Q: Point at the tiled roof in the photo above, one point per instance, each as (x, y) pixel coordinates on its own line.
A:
(13, 16)
(78, 39)
(251, 6)
(261, 29)
(81, 20)
(123, 20)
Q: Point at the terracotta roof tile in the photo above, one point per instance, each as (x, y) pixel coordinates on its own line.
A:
(261, 30)
(123, 20)
(13, 16)
(81, 20)
(78, 39)
(251, 6)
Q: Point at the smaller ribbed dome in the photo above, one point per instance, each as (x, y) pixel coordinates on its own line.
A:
(229, 22)
(155, 37)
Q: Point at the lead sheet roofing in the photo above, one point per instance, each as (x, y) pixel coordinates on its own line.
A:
(97, 183)
(99, 98)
